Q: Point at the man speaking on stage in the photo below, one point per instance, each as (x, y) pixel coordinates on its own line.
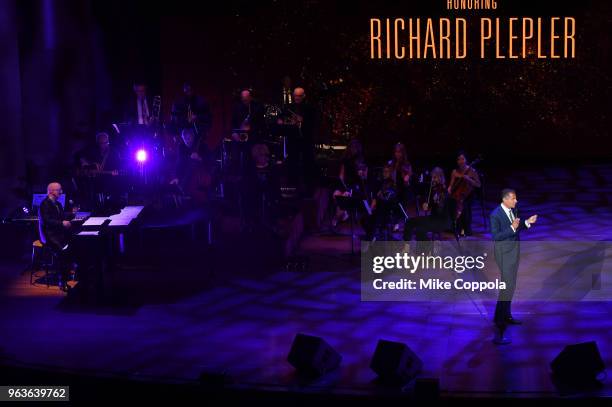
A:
(506, 227)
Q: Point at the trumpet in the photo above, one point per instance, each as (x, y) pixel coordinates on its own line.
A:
(190, 115)
(192, 119)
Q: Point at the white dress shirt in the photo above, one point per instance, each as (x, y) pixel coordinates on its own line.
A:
(143, 110)
(511, 216)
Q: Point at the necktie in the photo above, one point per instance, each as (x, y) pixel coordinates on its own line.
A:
(511, 215)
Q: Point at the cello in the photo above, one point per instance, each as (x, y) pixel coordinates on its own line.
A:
(460, 188)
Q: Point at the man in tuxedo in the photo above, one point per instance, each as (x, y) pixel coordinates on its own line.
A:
(192, 111)
(506, 227)
(138, 108)
(301, 151)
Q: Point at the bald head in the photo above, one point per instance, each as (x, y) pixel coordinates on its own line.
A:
(299, 94)
(54, 190)
(245, 96)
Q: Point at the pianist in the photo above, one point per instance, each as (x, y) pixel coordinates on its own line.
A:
(54, 227)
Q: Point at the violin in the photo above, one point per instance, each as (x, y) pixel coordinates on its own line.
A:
(438, 196)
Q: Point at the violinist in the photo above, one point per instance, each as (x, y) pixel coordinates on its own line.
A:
(438, 219)
(348, 177)
(365, 191)
(383, 204)
(402, 176)
(464, 179)
(402, 170)
(348, 167)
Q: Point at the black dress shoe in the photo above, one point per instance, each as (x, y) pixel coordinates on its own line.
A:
(513, 321)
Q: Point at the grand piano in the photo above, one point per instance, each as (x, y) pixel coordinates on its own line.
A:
(98, 248)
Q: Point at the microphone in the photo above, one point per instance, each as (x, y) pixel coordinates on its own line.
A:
(516, 213)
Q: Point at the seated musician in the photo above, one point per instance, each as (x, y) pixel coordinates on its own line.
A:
(464, 180)
(386, 200)
(97, 166)
(437, 205)
(366, 191)
(54, 227)
(402, 170)
(248, 115)
(260, 190)
(100, 158)
(402, 176)
(191, 164)
(348, 176)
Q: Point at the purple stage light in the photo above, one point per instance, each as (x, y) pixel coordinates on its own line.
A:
(141, 155)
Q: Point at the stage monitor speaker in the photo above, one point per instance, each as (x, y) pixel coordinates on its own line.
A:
(578, 363)
(395, 362)
(312, 356)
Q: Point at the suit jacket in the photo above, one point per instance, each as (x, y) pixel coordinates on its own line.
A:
(199, 107)
(500, 226)
(50, 218)
(130, 109)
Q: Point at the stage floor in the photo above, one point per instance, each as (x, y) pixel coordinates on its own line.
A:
(244, 324)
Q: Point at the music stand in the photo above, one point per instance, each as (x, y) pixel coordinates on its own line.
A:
(351, 205)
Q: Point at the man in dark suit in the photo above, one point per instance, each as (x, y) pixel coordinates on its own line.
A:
(505, 230)
(52, 221)
(54, 227)
(192, 111)
(138, 108)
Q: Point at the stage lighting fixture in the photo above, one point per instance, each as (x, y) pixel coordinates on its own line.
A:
(141, 155)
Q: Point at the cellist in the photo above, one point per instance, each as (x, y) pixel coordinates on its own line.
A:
(464, 179)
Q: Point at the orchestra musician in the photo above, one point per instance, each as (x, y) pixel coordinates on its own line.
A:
(464, 179)
(384, 204)
(402, 170)
(402, 175)
(365, 190)
(348, 177)
(191, 171)
(138, 109)
(100, 158)
(302, 116)
(97, 167)
(248, 116)
(261, 189)
(191, 111)
(437, 204)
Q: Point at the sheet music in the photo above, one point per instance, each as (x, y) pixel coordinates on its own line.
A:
(126, 216)
(95, 221)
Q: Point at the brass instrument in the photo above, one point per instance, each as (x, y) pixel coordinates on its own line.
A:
(192, 119)
(287, 96)
(155, 110)
(245, 126)
(294, 120)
